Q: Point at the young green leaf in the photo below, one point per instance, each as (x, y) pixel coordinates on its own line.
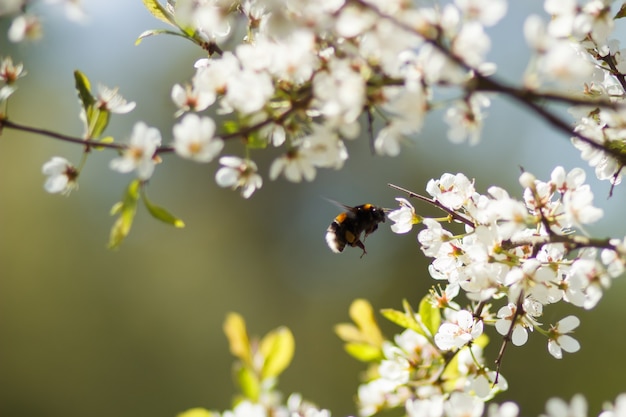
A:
(235, 329)
(249, 383)
(429, 315)
(349, 332)
(364, 352)
(84, 90)
(157, 10)
(106, 139)
(402, 319)
(98, 123)
(160, 213)
(154, 32)
(362, 314)
(277, 348)
(256, 141)
(125, 210)
(196, 412)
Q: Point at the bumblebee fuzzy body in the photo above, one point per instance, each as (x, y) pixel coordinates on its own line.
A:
(348, 226)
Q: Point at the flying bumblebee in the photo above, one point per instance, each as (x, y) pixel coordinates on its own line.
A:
(348, 226)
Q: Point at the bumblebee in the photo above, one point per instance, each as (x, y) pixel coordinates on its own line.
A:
(348, 226)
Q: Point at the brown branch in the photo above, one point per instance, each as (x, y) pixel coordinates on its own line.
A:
(5, 123)
(524, 96)
(519, 311)
(610, 61)
(572, 242)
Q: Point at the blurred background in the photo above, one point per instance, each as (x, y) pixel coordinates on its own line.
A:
(138, 331)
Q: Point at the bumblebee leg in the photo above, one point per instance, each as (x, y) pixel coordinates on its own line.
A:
(360, 245)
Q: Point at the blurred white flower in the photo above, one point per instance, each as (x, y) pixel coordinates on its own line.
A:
(239, 173)
(139, 155)
(194, 139)
(61, 176)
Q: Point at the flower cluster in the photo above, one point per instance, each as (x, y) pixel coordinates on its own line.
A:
(532, 252)
(299, 76)
(306, 71)
(575, 51)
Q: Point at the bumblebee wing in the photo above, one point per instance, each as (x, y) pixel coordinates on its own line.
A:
(340, 205)
(349, 210)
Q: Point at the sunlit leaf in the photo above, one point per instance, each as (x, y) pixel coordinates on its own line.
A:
(249, 383)
(125, 210)
(481, 341)
(429, 315)
(401, 319)
(362, 314)
(277, 347)
(235, 329)
(364, 351)
(196, 412)
(348, 332)
(157, 10)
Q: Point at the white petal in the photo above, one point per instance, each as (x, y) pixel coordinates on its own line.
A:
(568, 324)
(520, 336)
(226, 177)
(568, 344)
(56, 184)
(555, 349)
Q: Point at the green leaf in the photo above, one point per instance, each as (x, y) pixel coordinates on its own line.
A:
(235, 329)
(348, 332)
(84, 90)
(402, 319)
(106, 139)
(98, 120)
(364, 352)
(154, 32)
(249, 383)
(277, 347)
(162, 214)
(230, 127)
(196, 412)
(362, 314)
(157, 10)
(429, 315)
(255, 141)
(126, 210)
(621, 13)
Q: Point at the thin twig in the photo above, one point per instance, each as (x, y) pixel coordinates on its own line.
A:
(87, 143)
(454, 215)
(519, 310)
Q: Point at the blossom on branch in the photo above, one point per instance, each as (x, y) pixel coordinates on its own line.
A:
(61, 176)
(239, 173)
(194, 139)
(140, 153)
(559, 339)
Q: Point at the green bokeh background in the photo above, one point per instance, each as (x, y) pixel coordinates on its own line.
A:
(137, 332)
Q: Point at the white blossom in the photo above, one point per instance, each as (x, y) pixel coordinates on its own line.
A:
(140, 153)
